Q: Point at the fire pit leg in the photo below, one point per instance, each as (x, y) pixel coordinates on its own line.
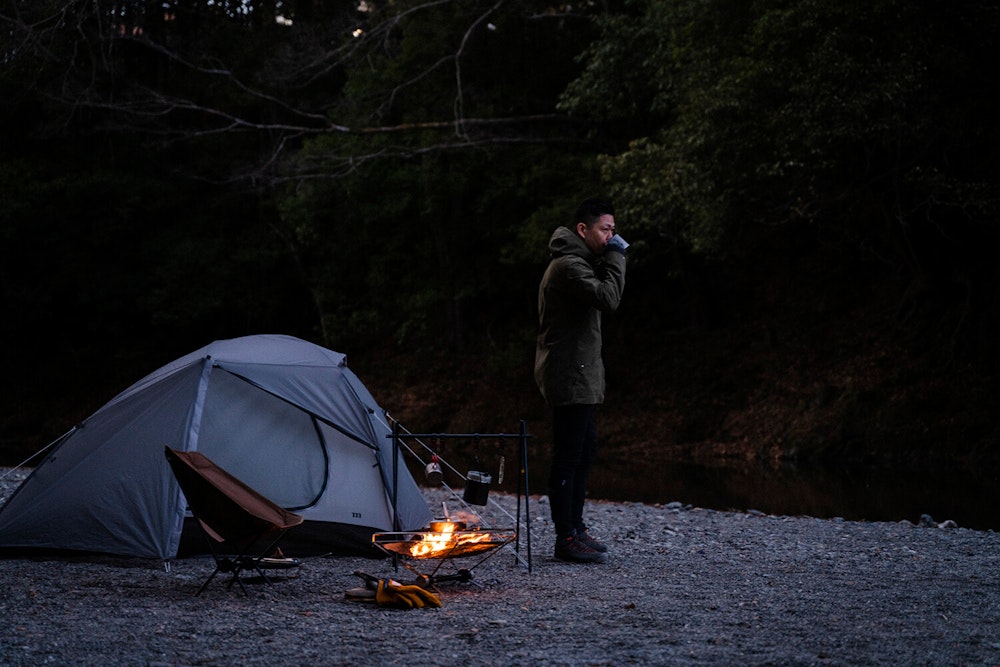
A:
(429, 581)
(461, 577)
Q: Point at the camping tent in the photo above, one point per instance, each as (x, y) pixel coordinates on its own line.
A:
(285, 416)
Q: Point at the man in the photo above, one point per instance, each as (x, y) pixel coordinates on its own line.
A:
(585, 278)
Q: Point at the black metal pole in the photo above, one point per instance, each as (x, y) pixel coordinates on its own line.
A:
(527, 491)
(395, 488)
(517, 521)
(395, 475)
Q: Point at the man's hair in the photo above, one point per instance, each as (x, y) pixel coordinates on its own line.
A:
(591, 210)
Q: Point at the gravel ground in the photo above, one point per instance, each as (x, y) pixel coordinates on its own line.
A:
(684, 586)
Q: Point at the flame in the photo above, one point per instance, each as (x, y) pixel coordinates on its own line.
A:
(445, 540)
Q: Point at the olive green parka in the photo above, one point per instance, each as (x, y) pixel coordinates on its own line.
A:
(578, 286)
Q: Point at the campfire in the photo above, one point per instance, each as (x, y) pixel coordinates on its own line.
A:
(443, 539)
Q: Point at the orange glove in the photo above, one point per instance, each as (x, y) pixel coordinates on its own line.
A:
(391, 593)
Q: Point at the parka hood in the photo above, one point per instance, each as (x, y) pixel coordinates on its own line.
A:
(565, 241)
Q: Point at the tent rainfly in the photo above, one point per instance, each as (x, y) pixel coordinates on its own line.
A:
(285, 416)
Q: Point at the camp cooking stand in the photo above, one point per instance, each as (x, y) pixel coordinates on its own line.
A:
(445, 541)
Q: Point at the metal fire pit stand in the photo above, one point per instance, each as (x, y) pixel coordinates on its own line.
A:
(522, 477)
(398, 544)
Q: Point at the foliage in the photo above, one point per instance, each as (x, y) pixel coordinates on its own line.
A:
(813, 112)
(419, 133)
(378, 174)
(867, 123)
(433, 210)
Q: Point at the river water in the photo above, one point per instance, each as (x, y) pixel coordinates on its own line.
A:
(969, 497)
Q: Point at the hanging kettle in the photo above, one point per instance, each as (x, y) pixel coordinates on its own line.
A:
(433, 471)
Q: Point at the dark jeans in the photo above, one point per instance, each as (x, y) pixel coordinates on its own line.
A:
(574, 447)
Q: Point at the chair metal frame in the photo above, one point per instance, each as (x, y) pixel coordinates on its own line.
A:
(231, 514)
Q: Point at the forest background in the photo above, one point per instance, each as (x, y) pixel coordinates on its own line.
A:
(810, 188)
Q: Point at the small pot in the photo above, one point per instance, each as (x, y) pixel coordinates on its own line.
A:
(477, 487)
(433, 473)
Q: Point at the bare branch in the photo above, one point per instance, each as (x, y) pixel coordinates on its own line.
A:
(127, 71)
(459, 95)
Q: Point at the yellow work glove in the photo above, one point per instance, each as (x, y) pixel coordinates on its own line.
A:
(420, 597)
(394, 594)
(386, 595)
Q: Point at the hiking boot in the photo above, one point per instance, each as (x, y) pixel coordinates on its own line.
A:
(574, 550)
(585, 537)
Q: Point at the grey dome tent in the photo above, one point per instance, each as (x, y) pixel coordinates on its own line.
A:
(285, 416)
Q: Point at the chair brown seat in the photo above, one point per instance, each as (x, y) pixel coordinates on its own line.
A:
(241, 526)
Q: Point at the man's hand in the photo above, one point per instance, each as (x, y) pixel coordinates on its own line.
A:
(617, 244)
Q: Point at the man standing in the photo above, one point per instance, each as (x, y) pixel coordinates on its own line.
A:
(585, 278)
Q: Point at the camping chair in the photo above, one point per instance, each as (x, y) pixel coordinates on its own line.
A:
(233, 517)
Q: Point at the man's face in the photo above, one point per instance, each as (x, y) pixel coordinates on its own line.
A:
(597, 235)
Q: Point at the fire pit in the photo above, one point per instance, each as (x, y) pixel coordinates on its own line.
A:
(444, 541)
